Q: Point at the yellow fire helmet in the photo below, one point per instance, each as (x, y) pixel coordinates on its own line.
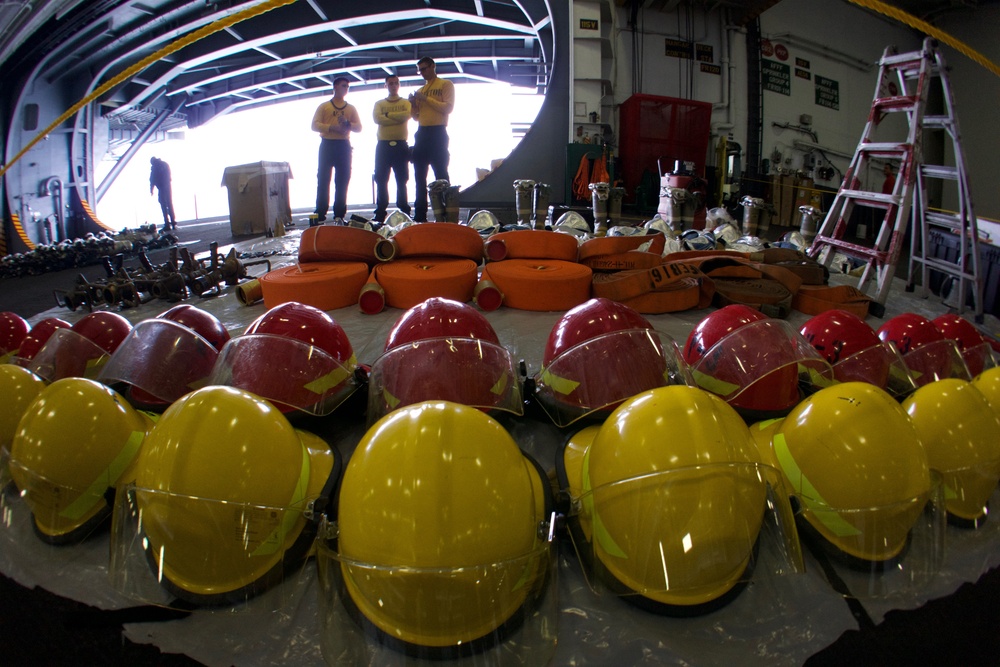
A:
(443, 543)
(75, 441)
(19, 387)
(222, 504)
(855, 463)
(961, 435)
(988, 382)
(669, 500)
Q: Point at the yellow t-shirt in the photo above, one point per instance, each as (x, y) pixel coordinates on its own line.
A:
(391, 116)
(327, 120)
(439, 103)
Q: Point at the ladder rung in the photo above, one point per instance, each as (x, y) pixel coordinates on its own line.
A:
(951, 268)
(885, 149)
(871, 197)
(939, 171)
(949, 220)
(938, 122)
(896, 103)
(852, 249)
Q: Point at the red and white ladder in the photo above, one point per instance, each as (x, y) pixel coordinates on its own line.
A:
(904, 82)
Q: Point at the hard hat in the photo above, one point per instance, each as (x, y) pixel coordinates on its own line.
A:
(928, 355)
(856, 353)
(222, 501)
(976, 350)
(600, 353)
(442, 349)
(159, 362)
(752, 361)
(294, 355)
(83, 349)
(76, 440)
(19, 387)
(961, 434)
(443, 542)
(199, 320)
(988, 383)
(37, 336)
(13, 329)
(670, 497)
(856, 465)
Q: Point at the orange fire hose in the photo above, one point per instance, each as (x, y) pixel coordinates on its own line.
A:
(534, 284)
(813, 299)
(612, 245)
(439, 239)
(532, 244)
(325, 285)
(403, 283)
(336, 243)
(623, 261)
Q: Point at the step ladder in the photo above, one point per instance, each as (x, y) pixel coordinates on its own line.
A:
(901, 99)
(964, 270)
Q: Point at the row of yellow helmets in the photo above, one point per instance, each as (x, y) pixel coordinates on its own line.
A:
(436, 538)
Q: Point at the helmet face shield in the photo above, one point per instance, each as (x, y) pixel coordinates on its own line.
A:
(377, 614)
(468, 371)
(880, 365)
(68, 353)
(936, 360)
(163, 359)
(168, 547)
(287, 372)
(595, 376)
(682, 542)
(759, 366)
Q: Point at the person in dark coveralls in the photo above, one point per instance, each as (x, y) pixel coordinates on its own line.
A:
(159, 178)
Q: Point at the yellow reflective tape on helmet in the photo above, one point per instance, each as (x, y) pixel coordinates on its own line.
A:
(898, 373)
(816, 378)
(107, 479)
(7, 356)
(94, 366)
(808, 493)
(323, 384)
(291, 513)
(601, 535)
(766, 423)
(389, 399)
(714, 385)
(560, 385)
(950, 493)
(500, 386)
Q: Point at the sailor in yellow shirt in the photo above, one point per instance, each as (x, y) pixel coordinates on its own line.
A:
(392, 153)
(430, 107)
(335, 119)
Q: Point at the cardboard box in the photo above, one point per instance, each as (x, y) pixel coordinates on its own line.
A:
(258, 197)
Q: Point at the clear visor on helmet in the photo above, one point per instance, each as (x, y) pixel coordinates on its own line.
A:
(597, 375)
(68, 354)
(883, 552)
(288, 372)
(686, 541)
(967, 492)
(177, 550)
(757, 351)
(164, 359)
(497, 613)
(979, 358)
(468, 371)
(937, 360)
(59, 513)
(880, 365)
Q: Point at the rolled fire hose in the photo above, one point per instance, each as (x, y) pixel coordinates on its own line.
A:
(438, 239)
(404, 283)
(533, 284)
(623, 261)
(532, 244)
(324, 285)
(611, 245)
(337, 243)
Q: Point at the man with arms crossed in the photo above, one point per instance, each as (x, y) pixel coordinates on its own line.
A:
(430, 107)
